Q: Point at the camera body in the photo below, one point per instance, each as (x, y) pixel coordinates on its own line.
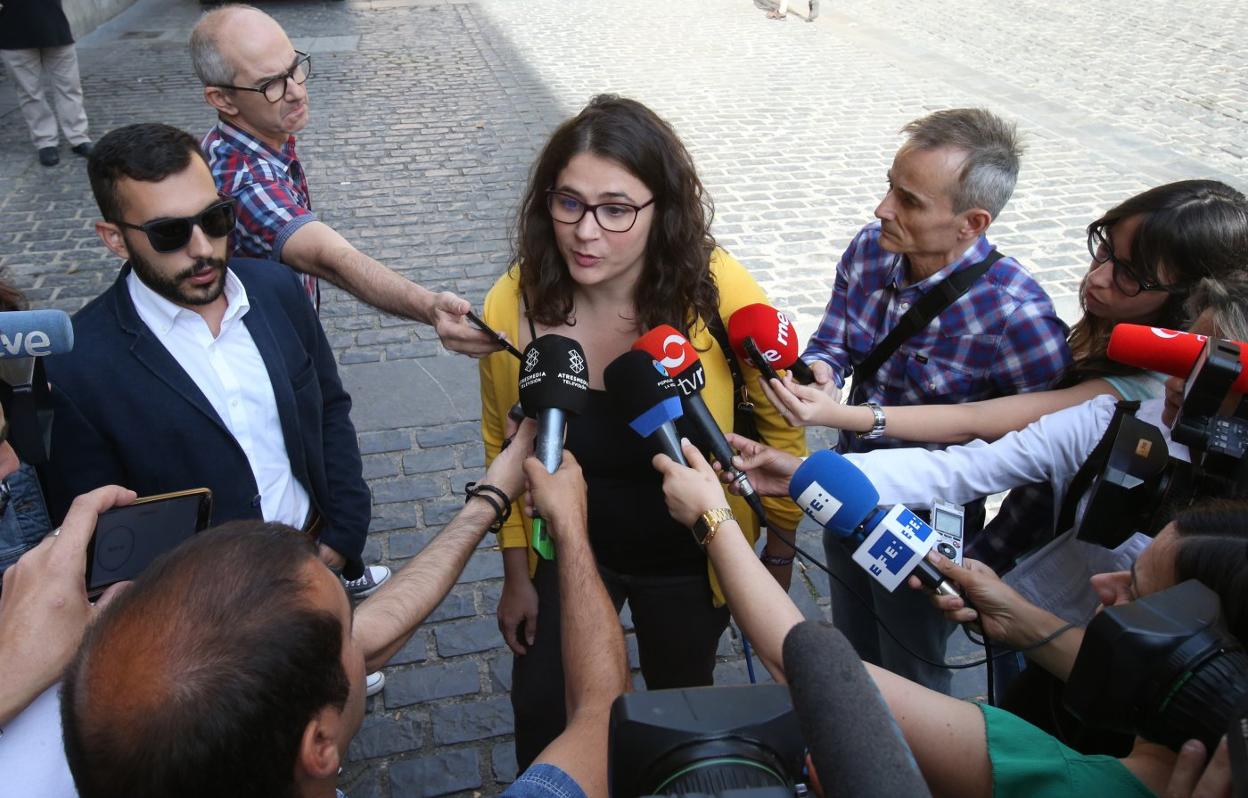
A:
(1140, 485)
(744, 740)
(1163, 667)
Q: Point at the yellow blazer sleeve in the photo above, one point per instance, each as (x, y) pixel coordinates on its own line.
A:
(500, 375)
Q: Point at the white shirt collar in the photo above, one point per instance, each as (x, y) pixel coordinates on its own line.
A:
(161, 315)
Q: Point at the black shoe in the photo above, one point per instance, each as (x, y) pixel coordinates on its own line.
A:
(48, 156)
(83, 149)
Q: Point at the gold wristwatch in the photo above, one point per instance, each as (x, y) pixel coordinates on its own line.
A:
(708, 524)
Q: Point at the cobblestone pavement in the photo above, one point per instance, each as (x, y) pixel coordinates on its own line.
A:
(426, 114)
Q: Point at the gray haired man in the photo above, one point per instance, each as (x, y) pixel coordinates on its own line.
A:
(950, 179)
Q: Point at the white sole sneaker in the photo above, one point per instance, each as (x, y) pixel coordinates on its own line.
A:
(374, 576)
(374, 683)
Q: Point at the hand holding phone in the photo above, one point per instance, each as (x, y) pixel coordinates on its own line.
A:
(127, 539)
(495, 334)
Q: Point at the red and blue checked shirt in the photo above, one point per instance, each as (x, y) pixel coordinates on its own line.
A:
(999, 338)
(270, 189)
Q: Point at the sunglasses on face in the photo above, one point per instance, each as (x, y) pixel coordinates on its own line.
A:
(170, 235)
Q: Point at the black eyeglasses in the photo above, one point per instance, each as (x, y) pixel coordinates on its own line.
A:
(615, 217)
(1126, 277)
(275, 89)
(170, 235)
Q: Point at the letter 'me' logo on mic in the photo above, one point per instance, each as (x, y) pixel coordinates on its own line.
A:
(35, 343)
(783, 328)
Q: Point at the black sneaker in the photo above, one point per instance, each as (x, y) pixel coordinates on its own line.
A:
(83, 149)
(48, 156)
(374, 576)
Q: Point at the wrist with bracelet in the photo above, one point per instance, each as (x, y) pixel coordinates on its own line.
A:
(775, 560)
(495, 497)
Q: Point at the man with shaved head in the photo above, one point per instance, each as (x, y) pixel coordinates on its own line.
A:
(257, 82)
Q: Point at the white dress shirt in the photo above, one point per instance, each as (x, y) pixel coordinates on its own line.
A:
(229, 371)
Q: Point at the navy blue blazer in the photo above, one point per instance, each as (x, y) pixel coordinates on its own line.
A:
(127, 413)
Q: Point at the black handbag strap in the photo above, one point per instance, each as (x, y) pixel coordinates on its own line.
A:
(920, 314)
(743, 421)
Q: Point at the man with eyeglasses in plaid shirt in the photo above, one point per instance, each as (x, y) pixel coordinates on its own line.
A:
(256, 81)
(948, 182)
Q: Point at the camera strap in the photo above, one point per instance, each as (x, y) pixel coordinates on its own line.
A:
(1095, 463)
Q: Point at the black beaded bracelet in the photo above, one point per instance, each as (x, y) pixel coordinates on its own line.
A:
(772, 559)
(501, 505)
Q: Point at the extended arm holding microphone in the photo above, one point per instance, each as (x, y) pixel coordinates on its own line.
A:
(988, 419)
(946, 735)
(1006, 617)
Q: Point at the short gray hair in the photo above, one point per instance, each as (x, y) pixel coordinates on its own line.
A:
(210, 65)
(992, 150)
(1226, 299)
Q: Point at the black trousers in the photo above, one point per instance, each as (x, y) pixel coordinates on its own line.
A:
(677, 628)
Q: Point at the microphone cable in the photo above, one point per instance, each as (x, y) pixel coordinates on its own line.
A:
(989, 655)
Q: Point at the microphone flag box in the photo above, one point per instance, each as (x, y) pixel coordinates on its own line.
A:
(891, 550)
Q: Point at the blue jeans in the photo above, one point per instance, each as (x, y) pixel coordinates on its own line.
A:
(24, 520)
(544, 781)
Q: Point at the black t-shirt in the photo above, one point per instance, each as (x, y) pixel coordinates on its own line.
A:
(629, 527)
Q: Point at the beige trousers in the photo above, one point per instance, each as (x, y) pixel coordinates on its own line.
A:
(60, 64)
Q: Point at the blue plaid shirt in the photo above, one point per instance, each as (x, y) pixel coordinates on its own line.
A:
(999, 338)
(271, 191)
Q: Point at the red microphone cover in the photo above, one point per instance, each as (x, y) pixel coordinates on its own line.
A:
(1167, 351)
(771, 330)
(666, 345)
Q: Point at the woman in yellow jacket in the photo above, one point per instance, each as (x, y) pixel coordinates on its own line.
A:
(612, 240)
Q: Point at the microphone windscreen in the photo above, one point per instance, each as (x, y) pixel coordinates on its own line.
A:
(854, 741)
(553, 374)
(771, 330)
(1168, 351)
(35, 333)
(642, 391)
(833, 492)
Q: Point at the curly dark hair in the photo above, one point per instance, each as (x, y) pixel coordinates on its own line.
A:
(676, 286)
(1195, 228)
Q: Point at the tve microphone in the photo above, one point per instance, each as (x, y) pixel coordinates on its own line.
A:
(35, 333)
(552, 384)
(774, 335)
(854, 740)
(891, 544)
(674, 352)
(1168, 351)
(646, 395)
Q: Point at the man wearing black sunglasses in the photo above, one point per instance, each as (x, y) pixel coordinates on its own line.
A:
(257, 82)
(194, 369)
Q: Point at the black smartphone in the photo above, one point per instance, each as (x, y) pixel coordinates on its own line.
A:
(127, 539)
(497, 336)
(758, 361)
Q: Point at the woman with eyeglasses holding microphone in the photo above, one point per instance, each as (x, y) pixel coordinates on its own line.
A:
(613, 240)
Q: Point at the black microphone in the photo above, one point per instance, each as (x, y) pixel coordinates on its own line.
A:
(674, 352)
(645, 395)
(854, 741)
(552, 384)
